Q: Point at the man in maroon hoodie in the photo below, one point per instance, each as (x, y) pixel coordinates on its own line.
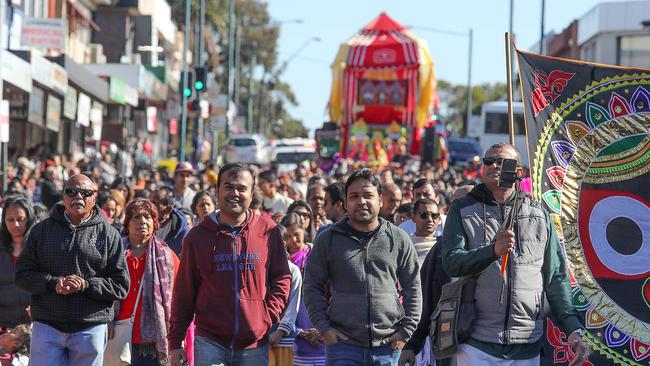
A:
(233, 276)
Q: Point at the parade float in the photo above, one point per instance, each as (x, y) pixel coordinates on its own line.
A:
(383, 92)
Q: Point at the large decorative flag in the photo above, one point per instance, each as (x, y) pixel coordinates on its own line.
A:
(588, 134)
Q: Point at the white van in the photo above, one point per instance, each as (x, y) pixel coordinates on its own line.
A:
(288, 153)
(494, 127)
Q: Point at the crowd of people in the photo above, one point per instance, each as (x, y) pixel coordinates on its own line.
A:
(243, 265)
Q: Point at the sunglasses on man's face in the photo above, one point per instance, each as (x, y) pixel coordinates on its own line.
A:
(72, 192)
(425, 215)
(489, 161)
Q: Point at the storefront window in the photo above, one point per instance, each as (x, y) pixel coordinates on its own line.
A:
(634, 51)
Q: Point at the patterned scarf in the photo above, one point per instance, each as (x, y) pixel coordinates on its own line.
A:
(299, 258)
(157, 296)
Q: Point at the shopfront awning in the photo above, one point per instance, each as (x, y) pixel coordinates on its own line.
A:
(87, 81)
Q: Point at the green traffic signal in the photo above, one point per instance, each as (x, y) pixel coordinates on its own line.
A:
(198, 85)
(188, 92)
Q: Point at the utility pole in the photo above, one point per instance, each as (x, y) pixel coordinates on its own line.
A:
(5, 150)
(238, 31)
(541, 37)
(197, 132)
(513, 72)
(231, 61)
(186, 46)
(469, 82)
(249, 114)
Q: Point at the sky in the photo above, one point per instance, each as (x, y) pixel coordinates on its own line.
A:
(334, 21)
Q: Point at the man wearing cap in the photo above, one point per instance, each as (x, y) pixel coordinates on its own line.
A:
(183, 194)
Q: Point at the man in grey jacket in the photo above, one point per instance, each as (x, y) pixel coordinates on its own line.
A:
(509, 320)
(363, 258)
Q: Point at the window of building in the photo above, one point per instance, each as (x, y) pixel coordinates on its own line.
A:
(634, 51)
(496, 122)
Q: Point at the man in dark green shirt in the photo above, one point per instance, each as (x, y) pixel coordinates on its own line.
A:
(509, 309)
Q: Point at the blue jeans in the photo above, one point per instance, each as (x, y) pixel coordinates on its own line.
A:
(210, 353)
(52, 347)
(343, 354)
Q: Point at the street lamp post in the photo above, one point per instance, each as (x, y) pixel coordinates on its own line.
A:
(186, 46)
(231, 62)
(249, 114)
(470, 41)
(253, 65)
(274, 78)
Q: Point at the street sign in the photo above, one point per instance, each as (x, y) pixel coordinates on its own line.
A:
(173, 126)
(48, 33)
(4, 121)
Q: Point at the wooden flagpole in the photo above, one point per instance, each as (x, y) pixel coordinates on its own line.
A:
(511, 116)
(511, 125)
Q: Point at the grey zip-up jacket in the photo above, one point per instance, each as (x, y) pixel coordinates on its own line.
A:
(536, 268)
(365, 303)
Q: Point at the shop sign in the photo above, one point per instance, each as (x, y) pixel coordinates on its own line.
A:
(131, 95)
(41, 70)
(4, 121)
(35, 109)
(59, 78)
(96, 112)
(173, 126)
(83, 110)
(47, 33)
(18, 102)
(70, 104)
(97, 120)
(53, 113)
(16, 71)
(152, 116)
(116, 90)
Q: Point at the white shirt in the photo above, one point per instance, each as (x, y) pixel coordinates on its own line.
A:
(279, 203)
(423, 245)
(184, 201)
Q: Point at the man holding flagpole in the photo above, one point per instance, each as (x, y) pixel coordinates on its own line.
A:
(509, 319)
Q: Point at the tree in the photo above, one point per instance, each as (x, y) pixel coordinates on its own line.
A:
(453, 98)
(255, 27)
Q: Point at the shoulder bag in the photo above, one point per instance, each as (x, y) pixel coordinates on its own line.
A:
(451, 322)
(118, 348)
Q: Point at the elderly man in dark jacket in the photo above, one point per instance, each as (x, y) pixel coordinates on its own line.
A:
(73, 265)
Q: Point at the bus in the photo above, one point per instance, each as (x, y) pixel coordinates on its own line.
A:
(493, 126)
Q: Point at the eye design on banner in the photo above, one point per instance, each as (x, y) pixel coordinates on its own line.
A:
(616, 236)
(614, 227)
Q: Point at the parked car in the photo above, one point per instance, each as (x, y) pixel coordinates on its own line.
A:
(250, 149)
(288, 153)
(462, 151)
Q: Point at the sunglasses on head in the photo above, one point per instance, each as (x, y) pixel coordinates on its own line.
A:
(72, 192)
(425, 215)
(489, 161)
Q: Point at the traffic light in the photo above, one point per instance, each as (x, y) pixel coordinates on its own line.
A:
(201, 81)
(190, 81)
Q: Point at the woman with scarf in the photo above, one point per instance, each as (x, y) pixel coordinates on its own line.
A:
(153, 265)
(309, 349)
